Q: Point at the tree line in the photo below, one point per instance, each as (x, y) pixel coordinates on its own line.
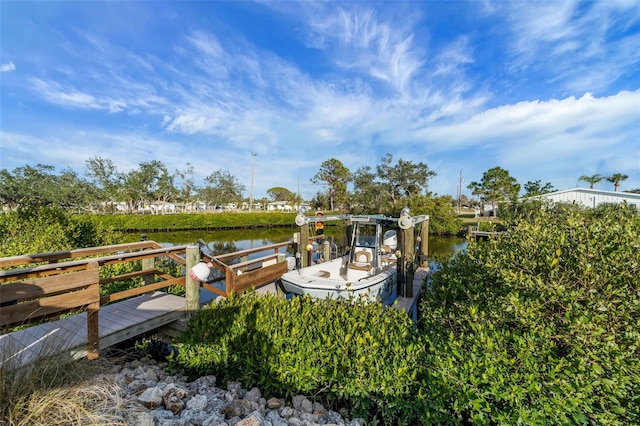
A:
(102, 186)
(384, 188)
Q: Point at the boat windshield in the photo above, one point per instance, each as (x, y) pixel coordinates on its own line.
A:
(366, 236)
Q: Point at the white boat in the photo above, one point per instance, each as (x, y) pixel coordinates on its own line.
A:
(368, 269)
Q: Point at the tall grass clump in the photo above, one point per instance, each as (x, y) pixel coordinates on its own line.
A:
(56, 390)
(541, 326)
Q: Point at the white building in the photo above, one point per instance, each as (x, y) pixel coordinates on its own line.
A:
(591, 197)
(279, 206)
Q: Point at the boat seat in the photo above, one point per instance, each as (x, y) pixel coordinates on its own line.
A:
(361, 261)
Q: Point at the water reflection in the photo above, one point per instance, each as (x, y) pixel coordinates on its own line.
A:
(221, 242)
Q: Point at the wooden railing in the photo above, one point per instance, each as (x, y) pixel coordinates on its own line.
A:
(42, 298)
(44, 286)
(48, 285)
(146, 251)
(240, 273)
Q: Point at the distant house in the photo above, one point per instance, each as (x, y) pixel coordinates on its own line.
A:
(158, 208)
(279, 206)
(591, 197)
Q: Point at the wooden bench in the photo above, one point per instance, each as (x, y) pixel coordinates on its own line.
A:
(49, 297)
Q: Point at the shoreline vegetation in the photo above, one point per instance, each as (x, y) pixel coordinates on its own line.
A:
(225, 221)
(128, 223)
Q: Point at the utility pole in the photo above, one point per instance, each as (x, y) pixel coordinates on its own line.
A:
(253, 156)
(460, 193)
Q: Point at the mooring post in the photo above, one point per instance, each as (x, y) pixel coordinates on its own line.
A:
(304, 241)
(296, 249)
(408, 261)
(192, 287)
(424, 244)
(148, 264)
(93, 334)
(326, 247)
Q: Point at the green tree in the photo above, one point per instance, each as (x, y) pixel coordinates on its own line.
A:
(222, 188)
(532, 188)
(295, 199)
(75, 193)
(28, 187)
(335, 176)
(188, 190)
(106, 179)
(443, 218)
(591, 179)
(163, 188)
(139, 185)
(44, 229)
(368, 196)
(496, 186)
(616, 179)
(320, 201)
(403, 179)
(278, 193)
(31, 187)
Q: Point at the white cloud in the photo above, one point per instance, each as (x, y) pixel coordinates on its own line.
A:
(8, 67)
(571, 41)
(54, 93)
(549, 139)
(363, 39)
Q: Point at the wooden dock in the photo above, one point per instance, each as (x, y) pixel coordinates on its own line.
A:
(60, 293)
(475, 233)
(53, 303)
(410, 304)
(118, 322)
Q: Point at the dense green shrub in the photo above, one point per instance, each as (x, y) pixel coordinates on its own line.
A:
(47, 229)
(364, 356)
(50, 229)
(443, 219)
(541, 326)
(184, 221)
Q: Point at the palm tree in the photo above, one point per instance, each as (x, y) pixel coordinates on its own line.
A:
(615, 180)
(592, 179)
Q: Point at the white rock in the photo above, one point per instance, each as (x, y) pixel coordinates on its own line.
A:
(151, 397)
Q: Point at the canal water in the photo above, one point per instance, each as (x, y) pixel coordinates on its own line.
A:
(221, 242)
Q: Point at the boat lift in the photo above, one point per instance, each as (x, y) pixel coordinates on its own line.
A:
(411, 252)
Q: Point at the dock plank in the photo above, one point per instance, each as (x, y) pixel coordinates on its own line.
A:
(117, 322)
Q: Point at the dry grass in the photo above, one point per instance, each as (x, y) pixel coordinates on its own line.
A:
(58, 390)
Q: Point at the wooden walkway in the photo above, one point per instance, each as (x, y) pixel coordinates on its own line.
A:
(410, 304)
(52, 288)
(46, 290)
(118, 322)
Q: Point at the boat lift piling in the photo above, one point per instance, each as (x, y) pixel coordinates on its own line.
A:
(410, 279)
(408, 257)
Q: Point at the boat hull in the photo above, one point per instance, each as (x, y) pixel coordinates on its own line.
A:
(331, 280)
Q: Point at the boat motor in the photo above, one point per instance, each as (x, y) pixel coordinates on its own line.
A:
(390, 239)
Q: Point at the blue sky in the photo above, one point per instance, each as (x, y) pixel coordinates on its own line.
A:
(546, 90)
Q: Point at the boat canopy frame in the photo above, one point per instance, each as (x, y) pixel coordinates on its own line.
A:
(402, 221)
